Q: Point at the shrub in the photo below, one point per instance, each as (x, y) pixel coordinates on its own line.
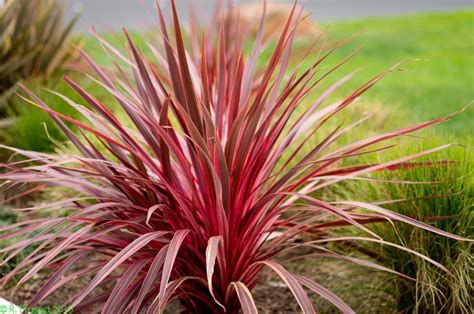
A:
(446, 203)
(34, 41)
(207, 190)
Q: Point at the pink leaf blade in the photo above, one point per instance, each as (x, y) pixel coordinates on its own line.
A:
(293, 284)
(245, 297)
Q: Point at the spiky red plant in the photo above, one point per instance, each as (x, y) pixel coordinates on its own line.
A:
(210, 184)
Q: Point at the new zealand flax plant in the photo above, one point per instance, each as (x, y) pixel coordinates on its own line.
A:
(206, 188)
(34, 41)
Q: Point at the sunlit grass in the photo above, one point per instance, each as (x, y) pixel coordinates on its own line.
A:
(440, 82)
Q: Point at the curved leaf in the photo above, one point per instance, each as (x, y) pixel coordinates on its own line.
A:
(211, 255)
(245, 297)
(293, 284)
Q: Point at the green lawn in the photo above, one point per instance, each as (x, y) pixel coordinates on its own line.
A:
(439, 83)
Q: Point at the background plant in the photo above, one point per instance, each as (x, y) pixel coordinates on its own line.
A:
(34, 41)
(7, 218)
(446, 197)
(209, 187)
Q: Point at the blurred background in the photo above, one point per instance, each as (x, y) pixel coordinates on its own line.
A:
(113, 14)
(435, 39)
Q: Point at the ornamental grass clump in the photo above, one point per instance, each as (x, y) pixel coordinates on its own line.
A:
(34, 41)
(446, 203)
(205, 189)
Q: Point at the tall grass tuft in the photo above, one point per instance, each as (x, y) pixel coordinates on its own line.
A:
(205, 189)
(446, 201)
(34, 42)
